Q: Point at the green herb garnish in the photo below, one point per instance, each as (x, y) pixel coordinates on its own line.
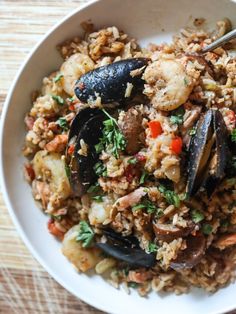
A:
(192, 131)
(57, 78)
(98, 198)
(58, 99)
(233, 135)
(62, 122)
(178, 119)
(143, 177)
(207, 229)
(133, 285)
(186, 82)
(147, 204)
(196, 216)
(171, 197)
(152, 247)
(94, 188)
(112, 139)
(159, 213)
(67, 170)
(85, 235)
(100, 169)
(133, 161)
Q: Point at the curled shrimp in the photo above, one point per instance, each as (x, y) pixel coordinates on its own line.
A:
(75, 66)
(168, 84)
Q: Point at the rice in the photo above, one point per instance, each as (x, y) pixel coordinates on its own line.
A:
(137, 202)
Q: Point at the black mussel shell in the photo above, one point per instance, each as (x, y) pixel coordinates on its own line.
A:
(126, 249)
(199, 151)
(87, 126)
(218, 163)
(80, 119)
(110, 81)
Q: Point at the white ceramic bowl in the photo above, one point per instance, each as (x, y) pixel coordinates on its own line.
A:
(149, 20)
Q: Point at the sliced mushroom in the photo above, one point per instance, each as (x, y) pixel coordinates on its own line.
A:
(168, 233)
(111, 82)
(131, 127)
(191, 256)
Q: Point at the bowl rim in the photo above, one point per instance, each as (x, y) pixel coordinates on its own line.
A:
(3, 185)
(78, 294)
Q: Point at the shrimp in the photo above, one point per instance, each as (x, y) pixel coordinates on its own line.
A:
(168, 84)
(130, 199)
(72, 69)
(58, 144)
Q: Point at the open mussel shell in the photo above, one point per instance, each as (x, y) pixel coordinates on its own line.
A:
(109, 82)
(126, 249)
(191, 256)
(208, 153)
(86, 129)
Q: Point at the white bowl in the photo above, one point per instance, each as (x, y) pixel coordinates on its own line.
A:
(149, 20)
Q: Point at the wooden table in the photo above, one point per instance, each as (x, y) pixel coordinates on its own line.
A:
(24, 286)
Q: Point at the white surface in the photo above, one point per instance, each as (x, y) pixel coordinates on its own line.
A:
(149, 20)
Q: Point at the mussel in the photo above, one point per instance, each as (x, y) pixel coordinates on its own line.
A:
(110, 82)
(86, 126)
(126, 249)
(208, 153)
(191, 256)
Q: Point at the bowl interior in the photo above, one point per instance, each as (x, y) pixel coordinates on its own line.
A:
(148, 21)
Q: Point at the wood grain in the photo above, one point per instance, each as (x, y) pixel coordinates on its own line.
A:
(24, 286)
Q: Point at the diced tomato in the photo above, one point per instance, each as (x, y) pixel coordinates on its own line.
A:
(54, 230)
(71, 149)
(72, 107)
(30, 172)
(140, 157)
(155, 128)
(176, 145)
(129, 173)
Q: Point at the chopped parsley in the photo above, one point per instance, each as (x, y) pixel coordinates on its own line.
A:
(178, 119)
(85, 235)
(143, 177)
(57, 78)
(207, 229)
(100, 169)
(112, 138)
(186, 82)
(58, 99)
(159, 213)
(62, 122)
(192, 131)
(94, 188)
(67, 170)
(147, 204)
(196, 216)
(133, 161)
(133, 284)
(233, 135)
(171, 197)
(71, 99)
(98, 198)
(152, 247)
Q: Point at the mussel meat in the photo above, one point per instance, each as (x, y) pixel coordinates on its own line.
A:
(86, 127)
(127, 250)
(110, 82)
(208, 153)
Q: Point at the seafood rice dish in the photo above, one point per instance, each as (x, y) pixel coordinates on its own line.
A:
(130, 152)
